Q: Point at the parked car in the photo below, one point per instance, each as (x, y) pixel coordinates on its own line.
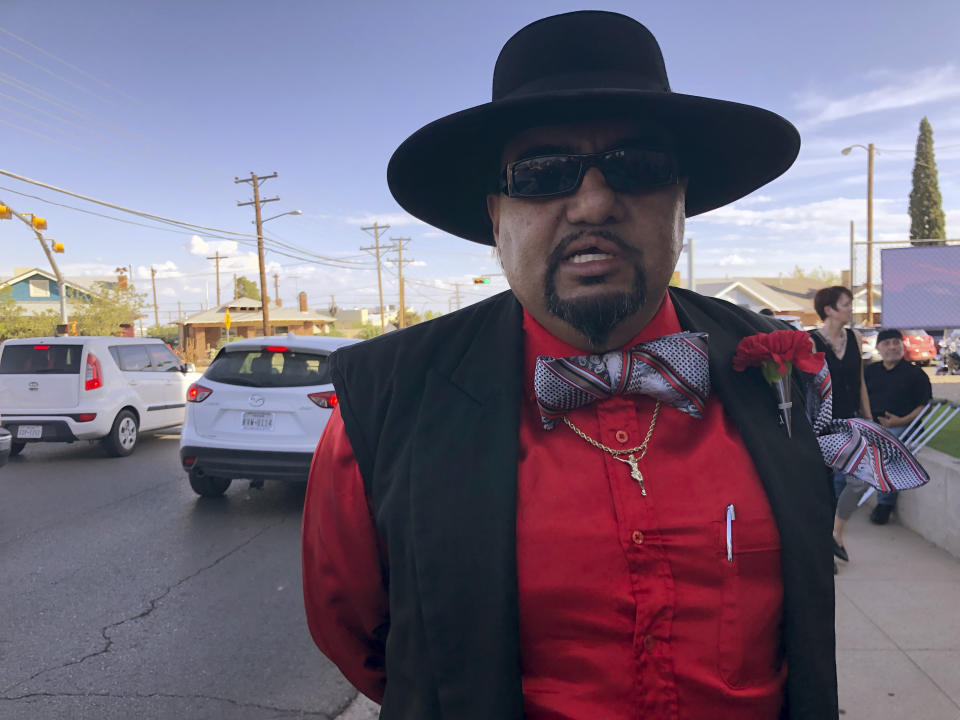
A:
(868, 344)
(918, 347)
(4, 446)
(110, 389)
(258, 411)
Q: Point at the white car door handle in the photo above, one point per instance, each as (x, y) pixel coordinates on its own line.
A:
(132, 382)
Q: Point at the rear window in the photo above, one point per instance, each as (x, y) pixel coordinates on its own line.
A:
(41, 360)
(258, 367)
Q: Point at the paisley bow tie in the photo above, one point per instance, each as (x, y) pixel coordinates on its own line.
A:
(673, 369)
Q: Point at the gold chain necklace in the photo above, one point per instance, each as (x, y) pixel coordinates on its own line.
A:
(630, 460)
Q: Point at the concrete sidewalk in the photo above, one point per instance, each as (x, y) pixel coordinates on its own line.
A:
(898, 625)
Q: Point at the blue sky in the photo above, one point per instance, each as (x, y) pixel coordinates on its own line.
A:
(159, 106)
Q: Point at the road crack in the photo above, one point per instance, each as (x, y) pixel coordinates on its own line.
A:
(152, 605)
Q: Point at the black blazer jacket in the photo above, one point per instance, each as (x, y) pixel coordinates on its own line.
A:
(433, 412)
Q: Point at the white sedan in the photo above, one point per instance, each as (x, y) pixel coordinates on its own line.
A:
(258, 411)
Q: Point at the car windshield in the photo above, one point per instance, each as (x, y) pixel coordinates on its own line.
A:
(265, 367)
(41, 359)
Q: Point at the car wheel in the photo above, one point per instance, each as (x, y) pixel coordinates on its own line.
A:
(16, 448)
(123, 435)
(208, 485)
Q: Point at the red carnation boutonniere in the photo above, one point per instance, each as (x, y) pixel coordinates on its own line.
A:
(776, 354)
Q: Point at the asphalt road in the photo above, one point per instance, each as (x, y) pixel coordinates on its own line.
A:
(123, 595)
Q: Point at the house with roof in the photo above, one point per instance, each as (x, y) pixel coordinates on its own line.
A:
(36, 290)
(203, 331)
(785, 296)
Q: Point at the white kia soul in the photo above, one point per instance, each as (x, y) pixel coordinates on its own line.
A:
(64, 389)
(258, 411)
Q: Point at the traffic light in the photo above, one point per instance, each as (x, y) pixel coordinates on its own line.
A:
(481, 281)
(5, 213)
(38, 222)
(57, 246)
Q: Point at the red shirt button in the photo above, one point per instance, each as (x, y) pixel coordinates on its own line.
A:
(637, 537)
(649, 641)
(622, 437)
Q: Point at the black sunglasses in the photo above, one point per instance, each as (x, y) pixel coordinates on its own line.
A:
(629, 169)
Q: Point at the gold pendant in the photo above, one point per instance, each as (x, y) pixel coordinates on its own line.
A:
(634, 471)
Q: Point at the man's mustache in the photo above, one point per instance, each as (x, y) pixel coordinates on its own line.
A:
(558, 253)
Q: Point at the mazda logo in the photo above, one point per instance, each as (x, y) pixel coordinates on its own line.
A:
(256, 400)
(33, 386)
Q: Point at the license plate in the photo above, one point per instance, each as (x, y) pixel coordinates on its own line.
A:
(30, 432)
(257, 421)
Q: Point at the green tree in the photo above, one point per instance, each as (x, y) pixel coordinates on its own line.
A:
(107, 310)
(17, 322)
(411, 318)
(247, 288)
(818, 273)
(430, 315)
(168, 333)
(369, 331)
(927, 220)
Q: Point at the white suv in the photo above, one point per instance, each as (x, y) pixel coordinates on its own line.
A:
(64, 389)
(258, 411)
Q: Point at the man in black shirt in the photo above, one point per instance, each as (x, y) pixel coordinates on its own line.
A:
(898, 391)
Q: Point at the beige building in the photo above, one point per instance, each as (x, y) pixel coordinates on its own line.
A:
(203, 331)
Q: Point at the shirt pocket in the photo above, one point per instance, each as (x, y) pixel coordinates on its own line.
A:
(750, 648)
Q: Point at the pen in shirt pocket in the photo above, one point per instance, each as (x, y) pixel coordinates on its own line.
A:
(731, 516)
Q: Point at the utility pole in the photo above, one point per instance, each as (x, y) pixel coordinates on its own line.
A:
(257, 202)
(688, 246)
(853, 259)
(235, 286)
(456, 290)
(153, 279)
(376, 248)
(218, 257)
(276, 289)
(400, 244)
(179, 313)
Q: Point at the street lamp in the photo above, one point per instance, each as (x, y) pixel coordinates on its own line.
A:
(264, 295)
(289, 212)
(870, 151)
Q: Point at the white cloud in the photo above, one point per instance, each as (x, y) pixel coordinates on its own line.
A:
(755, 200)
(196, 245)
(901, 90)
(735, 260)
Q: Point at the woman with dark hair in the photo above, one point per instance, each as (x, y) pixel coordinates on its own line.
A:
(841, 347)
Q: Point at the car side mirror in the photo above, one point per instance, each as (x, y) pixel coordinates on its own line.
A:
(188, 368)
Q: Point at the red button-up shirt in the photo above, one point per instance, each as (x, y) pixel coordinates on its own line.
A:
(630, 606)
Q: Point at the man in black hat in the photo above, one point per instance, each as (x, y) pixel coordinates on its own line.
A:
(898, 392)
(563, 501)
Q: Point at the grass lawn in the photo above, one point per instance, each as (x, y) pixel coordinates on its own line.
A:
(948, 439)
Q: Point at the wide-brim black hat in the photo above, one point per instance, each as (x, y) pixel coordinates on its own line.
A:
(578, 67)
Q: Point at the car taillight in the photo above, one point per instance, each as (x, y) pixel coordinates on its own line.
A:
(275, 348)
(188, 462)
(85, 417)
(94, 375)
(198, 393)
(324, 399)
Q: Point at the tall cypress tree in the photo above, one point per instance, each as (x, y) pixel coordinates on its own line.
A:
(927, 220)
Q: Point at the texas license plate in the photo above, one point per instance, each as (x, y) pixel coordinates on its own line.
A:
(30, 432)
(257, 421)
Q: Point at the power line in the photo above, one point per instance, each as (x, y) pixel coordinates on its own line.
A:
(63, 62)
